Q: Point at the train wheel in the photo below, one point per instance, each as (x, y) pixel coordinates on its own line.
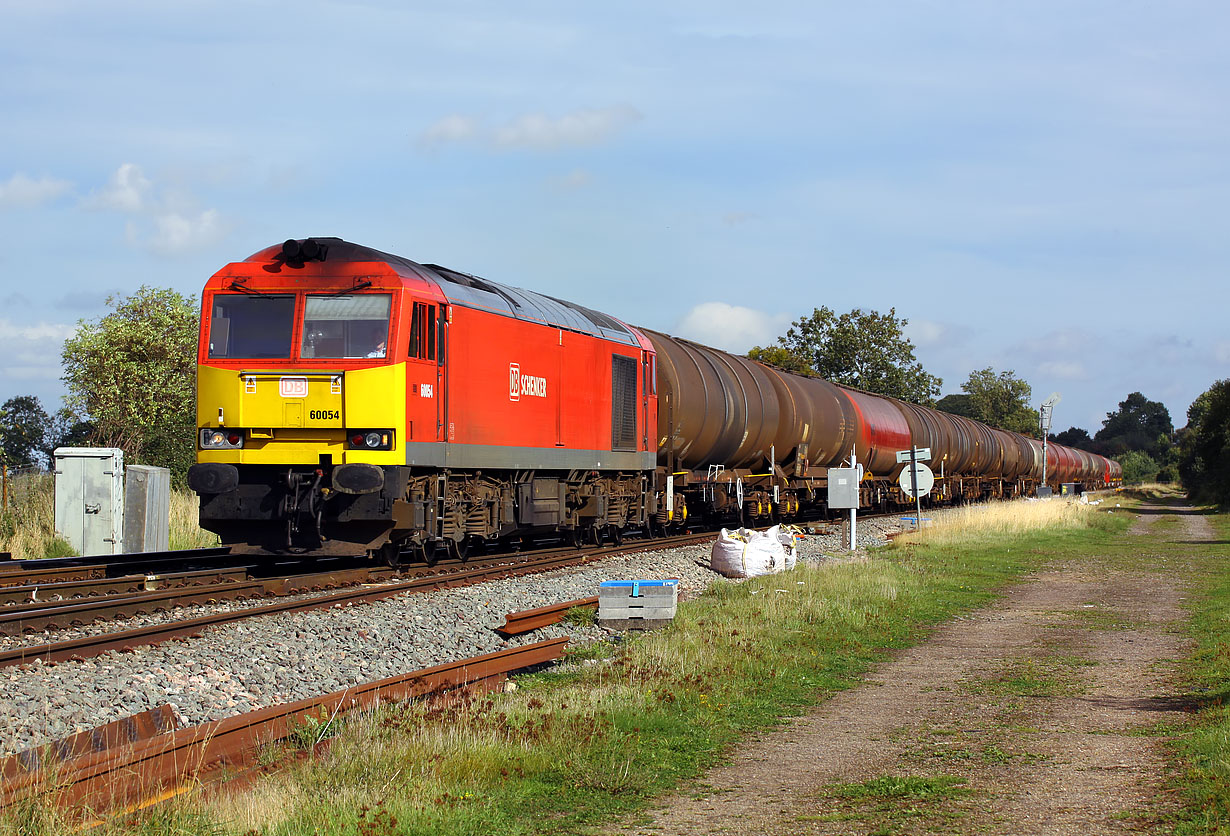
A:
(593, 535)
(575, 537)
(427, 552)
(459, 549)
(390, 555)
(617, 536)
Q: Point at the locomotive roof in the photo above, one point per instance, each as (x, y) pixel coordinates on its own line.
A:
(474, 292)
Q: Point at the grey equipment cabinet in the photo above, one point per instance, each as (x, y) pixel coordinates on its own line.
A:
(90, 498)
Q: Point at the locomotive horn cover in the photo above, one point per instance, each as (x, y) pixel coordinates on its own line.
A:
(357, 478)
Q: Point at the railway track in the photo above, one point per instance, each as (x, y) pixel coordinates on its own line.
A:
(35, 618)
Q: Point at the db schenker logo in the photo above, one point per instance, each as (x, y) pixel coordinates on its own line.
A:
(524, 384)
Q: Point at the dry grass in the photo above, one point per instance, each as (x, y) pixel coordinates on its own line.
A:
(186, 533)
(27, 525)
(998, 520)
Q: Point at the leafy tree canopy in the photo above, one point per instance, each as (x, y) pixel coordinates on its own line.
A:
(24, 428)
(957, 405)
(1073, 437)
(1204, 458)
(863, 349)
(1138, 467)
(1135, 425)
(1001, 400)
(133, 373)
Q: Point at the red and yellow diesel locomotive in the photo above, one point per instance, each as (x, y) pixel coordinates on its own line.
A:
(352, 400)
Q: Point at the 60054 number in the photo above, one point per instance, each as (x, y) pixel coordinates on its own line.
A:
(324, 414)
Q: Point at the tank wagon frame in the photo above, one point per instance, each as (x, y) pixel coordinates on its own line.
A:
(350, 399)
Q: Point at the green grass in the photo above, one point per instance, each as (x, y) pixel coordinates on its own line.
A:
(1205, 748)
(573, 749)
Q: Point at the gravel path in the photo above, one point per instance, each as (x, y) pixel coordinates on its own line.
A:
(282, 658)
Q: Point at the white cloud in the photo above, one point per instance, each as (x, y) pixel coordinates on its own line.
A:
(535, 131)
(453, 128)
(731, 327)
(32, 333)
(588, 126)
(1064, 370)
(177, 232)
(25, 192)
(32, 352)
(163, 221)
(128, 191)
(924, 333)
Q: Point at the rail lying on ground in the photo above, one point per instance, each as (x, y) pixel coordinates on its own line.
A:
(167, 762)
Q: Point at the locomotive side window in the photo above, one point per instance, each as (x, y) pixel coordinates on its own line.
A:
(346, 326)
(416, 330)
(255, 327)
(423, 332)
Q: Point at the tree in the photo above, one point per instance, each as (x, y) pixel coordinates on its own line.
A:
(67, 429)
(133, 373)
(956, 405)
(1204, 458)
(1073, 437)
(1001, 400)
(863, 349)
(23, 430)
(1135, 425)
(1138, 467)
(783, 358)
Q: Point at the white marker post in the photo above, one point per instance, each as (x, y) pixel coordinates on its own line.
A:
(857, 489)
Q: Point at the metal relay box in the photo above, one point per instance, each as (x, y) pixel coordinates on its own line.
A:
(90, 498)
(843, 487)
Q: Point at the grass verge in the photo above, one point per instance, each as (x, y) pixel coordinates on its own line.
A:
(577, 747)
(1204, 748)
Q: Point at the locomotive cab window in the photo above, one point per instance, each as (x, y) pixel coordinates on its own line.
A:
(423, 332)
(251, 327)
(341, 327)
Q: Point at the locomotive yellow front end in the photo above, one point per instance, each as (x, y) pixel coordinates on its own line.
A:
(301, 406)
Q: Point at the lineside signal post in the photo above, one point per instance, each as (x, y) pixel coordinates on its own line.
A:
(916, 479)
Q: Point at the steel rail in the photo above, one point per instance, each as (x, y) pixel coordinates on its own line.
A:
(92, 587)
(170, 761)
(16, 577)
(90, 646)
(113, 559)
(39, 616)
(108, 736)
(523, 621)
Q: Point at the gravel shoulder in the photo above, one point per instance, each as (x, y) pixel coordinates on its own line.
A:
(1041, 714)
(278, 659)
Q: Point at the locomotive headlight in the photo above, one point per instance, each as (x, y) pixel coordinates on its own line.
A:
(221, 439)
(371, 439)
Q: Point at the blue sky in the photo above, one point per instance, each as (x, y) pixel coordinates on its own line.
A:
(1037, 186)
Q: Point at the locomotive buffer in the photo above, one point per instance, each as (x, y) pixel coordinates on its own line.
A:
(917, 479)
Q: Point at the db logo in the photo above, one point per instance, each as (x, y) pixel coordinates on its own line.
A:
(524, 384)
(293, 387)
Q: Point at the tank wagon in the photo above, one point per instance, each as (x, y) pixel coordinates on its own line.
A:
(351, 400)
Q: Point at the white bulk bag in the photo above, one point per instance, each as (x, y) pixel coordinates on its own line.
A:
(747, 554)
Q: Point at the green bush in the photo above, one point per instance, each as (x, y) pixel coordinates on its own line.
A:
(1204, 461)
(1138, 467)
